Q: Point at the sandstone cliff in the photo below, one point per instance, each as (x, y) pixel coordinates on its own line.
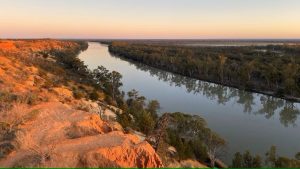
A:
(43, 125)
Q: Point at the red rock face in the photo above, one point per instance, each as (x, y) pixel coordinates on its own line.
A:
(55, 133)
(73, 138)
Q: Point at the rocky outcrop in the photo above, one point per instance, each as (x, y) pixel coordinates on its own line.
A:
(59, 136)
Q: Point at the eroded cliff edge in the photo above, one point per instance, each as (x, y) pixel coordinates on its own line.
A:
(43, 125)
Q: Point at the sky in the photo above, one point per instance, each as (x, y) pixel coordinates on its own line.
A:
(150, 19)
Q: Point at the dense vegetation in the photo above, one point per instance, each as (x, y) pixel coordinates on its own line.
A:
(193, 139)
(247, 160)
(188, 134)
(269, 69)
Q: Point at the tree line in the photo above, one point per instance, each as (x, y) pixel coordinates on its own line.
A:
(273, 69)
(272, 160)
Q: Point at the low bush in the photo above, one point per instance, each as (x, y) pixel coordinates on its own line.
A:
(78, 94)
(5, 149)
(31, 99)
(94, 95)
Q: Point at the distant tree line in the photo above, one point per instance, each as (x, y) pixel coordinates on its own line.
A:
(269, 69)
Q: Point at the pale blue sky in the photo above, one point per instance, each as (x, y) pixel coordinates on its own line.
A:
(150, 18)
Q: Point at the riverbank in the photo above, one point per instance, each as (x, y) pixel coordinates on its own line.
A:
(254, 76)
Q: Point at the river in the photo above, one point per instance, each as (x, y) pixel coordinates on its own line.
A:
(247, 121)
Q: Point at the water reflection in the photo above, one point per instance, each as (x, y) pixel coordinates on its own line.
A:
(289, 114)
(269, 106)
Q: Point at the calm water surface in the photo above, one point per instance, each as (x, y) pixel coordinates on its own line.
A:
(247, 121)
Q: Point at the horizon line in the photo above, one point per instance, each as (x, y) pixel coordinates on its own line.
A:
(233, 39)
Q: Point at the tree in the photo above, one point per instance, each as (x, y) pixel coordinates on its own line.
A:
(270, 74)
(186, 133)
(215, 146)
(275, 161)
(238, 161)
(135, 102)
(246, 160)
(152, 108)
(297, 156)
(246, 72)
(290, 73)
(115, 81)
(284, 162)
(289, 114)
(146, 122)
(110, 82)
(101, 76)
(271, 157)
(144, 119)
(222, 60)
(257, 162)
(159, 134)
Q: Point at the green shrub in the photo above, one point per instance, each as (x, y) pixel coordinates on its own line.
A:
(146, 122)
(183, 147)
(124, 119)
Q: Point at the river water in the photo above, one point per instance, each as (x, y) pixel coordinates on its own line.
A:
(247, 121)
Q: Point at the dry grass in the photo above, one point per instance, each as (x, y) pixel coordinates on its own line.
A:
(75, 131)
(9, 126)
